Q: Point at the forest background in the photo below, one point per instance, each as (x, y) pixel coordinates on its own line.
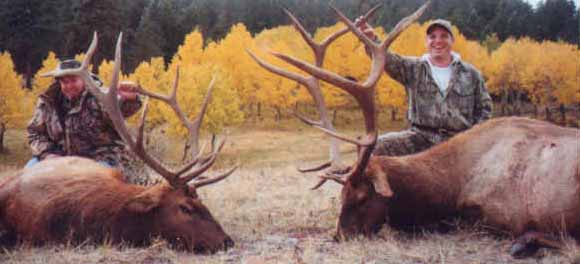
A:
(528, 55)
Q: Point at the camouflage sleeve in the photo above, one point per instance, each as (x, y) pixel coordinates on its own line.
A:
(38, 139)
(483, 103)
(130, 107)
(398, 67)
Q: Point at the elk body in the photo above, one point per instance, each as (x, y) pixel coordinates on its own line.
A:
(515, 174)
(76, 199)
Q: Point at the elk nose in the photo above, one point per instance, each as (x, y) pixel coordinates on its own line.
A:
(228, 243)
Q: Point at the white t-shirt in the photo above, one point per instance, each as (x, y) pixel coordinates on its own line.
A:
(442, 75)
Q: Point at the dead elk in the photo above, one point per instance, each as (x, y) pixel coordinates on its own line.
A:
(76, 199)
(514, 174)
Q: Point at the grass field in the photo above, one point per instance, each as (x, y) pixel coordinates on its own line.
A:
(268, 209)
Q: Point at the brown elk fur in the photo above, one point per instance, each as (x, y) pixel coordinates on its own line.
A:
(515, 174)
(76, 199)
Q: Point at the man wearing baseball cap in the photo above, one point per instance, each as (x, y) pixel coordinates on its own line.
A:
(69, 121)
(445, 94)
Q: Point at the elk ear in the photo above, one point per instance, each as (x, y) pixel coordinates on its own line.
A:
(381, 184)
(145, 201)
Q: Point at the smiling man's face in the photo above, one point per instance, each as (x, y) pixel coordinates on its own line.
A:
(439, 43)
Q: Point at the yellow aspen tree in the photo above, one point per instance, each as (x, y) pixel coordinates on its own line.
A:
(550, 74)
(15, 103)
(196, 70)
(190, 52)
(152, 77)
(274, 90)
(105, 71)
(41, 83)
(508, 67)
(224, 105)
(230, 55)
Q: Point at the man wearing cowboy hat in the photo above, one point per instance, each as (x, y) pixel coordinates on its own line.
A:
(68, 120)
(445, 94)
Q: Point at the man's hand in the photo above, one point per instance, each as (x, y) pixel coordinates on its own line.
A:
(365, 28)
(127, 90)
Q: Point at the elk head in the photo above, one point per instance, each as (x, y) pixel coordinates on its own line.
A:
(365, 192)
(170, 210)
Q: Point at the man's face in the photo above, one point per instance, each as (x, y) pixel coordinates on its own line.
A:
(71, 86)
(439, 43)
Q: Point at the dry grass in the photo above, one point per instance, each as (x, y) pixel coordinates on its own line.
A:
(273, 217)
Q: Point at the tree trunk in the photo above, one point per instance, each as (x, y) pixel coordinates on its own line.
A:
(518, 103)
(29, 76)
(548, 114)
(278, 116)
(563, 114)
(535, 111)
(504, 102)
(334, 116)
(2, 130)
(259, 110)
(394, 114)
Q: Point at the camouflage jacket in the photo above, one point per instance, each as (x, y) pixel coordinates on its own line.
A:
(465, 103)
(80, 129)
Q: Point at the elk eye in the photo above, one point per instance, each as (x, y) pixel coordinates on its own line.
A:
(186, 209)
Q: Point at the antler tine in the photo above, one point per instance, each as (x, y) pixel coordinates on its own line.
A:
(212, 180)
(199, 118)
(334, 36)
(276, 70)
(140, 135)
(307, 120)
(90, 52)
(316, 168)
(205, 165)
(320, 73)
(370, 127)
(305, 35)
(194, 126)
(324, 178)
(404, 24)
(353, 28)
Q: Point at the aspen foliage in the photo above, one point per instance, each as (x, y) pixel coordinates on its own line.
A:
(42, 83)
(16, 104)
(152, 77)
(105, 71)
(274, 90)
(229, 55)
(545, 72)
(197, 67)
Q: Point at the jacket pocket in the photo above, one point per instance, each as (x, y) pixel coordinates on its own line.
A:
(464, 100)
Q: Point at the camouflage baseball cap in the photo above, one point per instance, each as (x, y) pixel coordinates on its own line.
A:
(442, 23)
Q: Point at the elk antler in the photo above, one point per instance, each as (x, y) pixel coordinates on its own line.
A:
(193, 127)
(109, 101)
(312, 84)
(362, 92)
